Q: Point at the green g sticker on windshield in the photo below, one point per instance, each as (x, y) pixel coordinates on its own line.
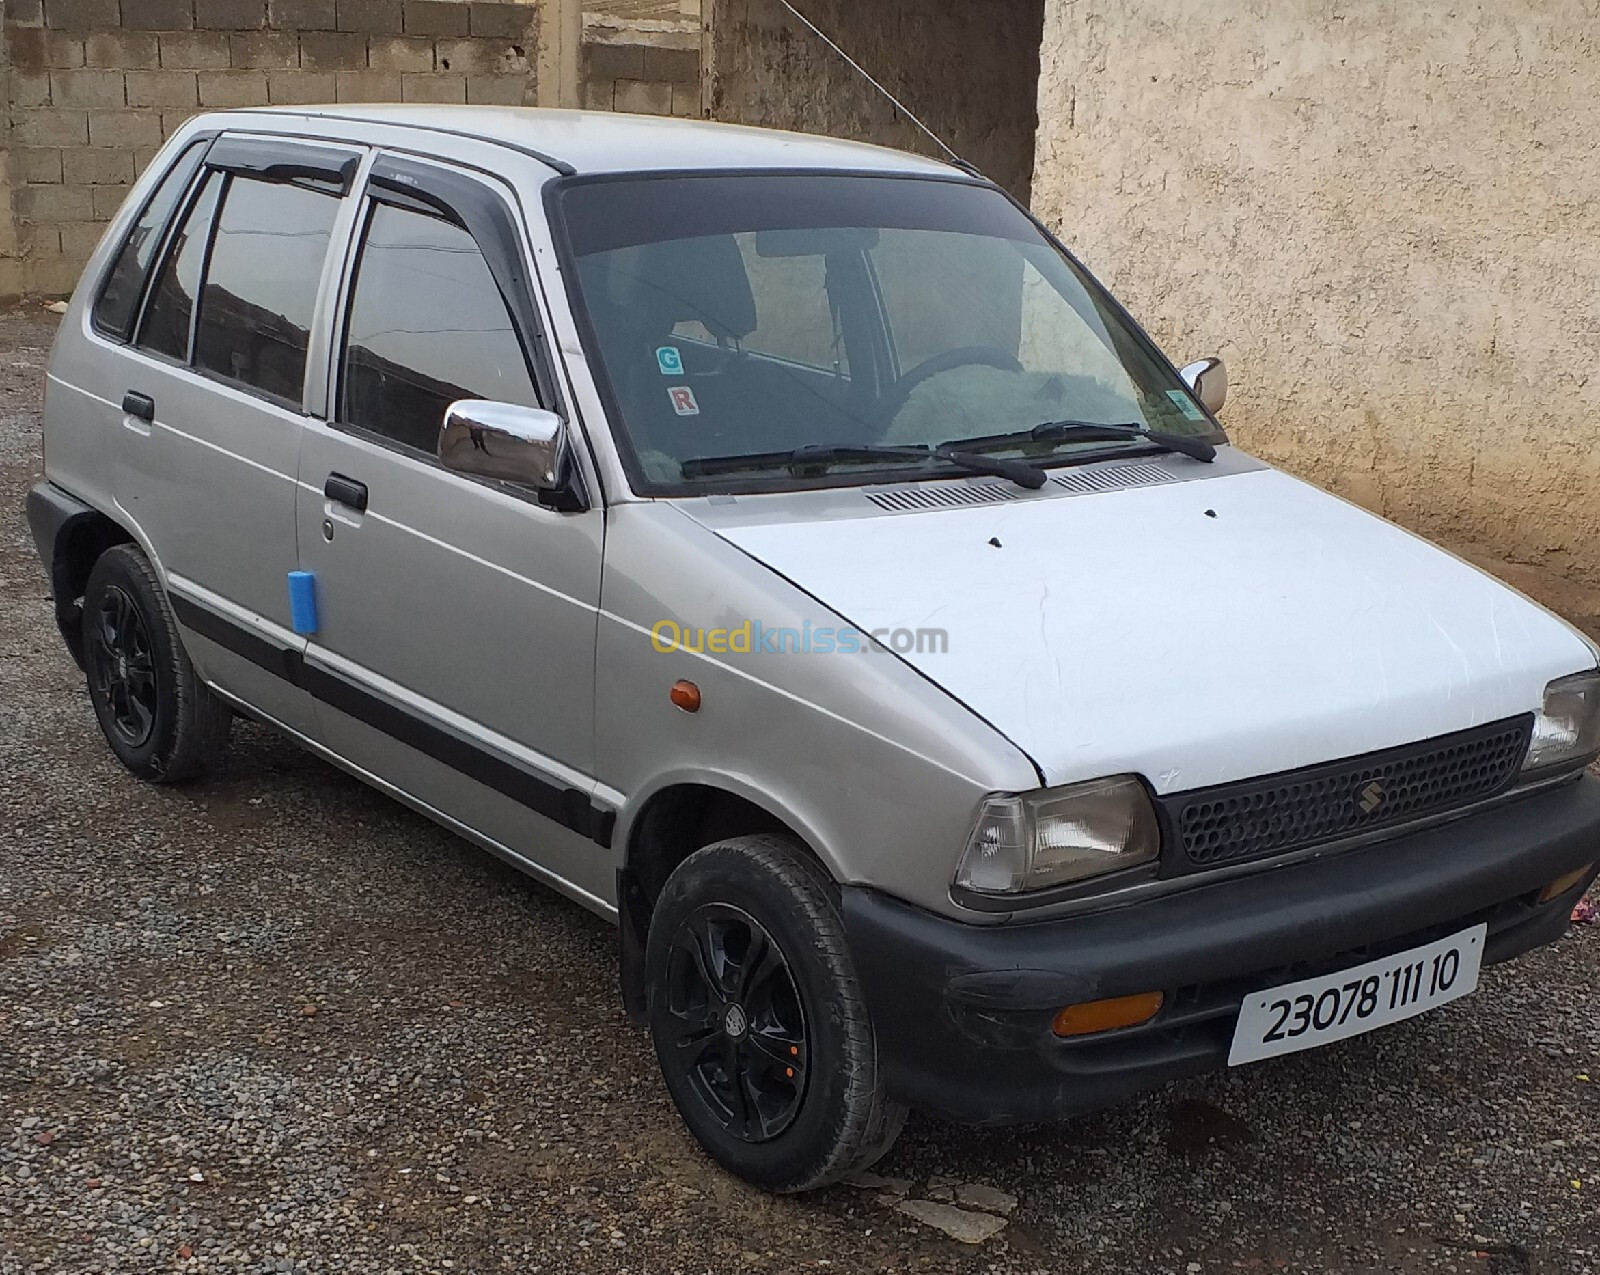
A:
(1186, 405)
(670, 359)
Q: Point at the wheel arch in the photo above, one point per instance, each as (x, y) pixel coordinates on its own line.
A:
(72, 536)
(672, 822)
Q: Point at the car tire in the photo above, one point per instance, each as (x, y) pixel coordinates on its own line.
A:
(750, 977)
(161, 720)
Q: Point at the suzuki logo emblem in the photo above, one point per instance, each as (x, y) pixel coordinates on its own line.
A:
(1373, 796)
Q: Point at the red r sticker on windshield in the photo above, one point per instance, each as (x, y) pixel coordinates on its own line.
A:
(683, 401)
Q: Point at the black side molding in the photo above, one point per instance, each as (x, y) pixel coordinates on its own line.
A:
(569, 807)
(282, 661)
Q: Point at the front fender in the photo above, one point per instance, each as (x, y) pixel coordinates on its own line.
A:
(876, 767)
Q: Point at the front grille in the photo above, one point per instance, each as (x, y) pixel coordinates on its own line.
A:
(1302, 808)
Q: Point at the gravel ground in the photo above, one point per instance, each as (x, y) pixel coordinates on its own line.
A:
(275, 1022)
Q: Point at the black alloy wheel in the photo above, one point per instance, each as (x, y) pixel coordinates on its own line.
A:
(759, 1020)
(160, 719)
(735, 1023)
(122, 667)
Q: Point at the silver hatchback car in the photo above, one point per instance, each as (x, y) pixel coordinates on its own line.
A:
(788, 550)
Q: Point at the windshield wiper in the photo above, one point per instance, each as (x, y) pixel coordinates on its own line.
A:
(1017, 471)
(1063, 431)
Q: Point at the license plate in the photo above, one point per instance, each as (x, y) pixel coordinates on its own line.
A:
(1318, 1011)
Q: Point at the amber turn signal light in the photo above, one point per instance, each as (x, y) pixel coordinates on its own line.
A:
(686, 695)
(1104, 1016)
(1561, 885)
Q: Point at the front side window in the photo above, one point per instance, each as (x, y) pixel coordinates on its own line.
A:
(427, 326)
(261, 285)
(749, 317)
(119, 296)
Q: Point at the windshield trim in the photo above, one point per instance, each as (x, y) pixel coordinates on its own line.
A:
(866, 475)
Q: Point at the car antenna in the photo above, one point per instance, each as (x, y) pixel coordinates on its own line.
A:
(955, 160)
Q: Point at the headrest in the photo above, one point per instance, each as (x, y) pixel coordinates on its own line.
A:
(686, 280)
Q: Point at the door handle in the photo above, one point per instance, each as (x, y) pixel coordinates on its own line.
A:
(346, 491)
(140, 405)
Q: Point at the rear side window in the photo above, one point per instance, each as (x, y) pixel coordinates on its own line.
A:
(170, 314)
(427, 326)
(261, 285)
(119, 297)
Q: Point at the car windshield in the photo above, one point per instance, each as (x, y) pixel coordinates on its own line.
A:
(749, 316)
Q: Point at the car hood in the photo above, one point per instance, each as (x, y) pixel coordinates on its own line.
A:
(1195, 633)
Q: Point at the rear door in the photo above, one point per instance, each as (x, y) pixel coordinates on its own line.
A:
(454, 658)
(212, 405)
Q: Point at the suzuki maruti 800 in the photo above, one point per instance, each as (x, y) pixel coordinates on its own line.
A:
(785, 548)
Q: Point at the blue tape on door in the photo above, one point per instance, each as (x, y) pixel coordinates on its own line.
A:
(303, 602)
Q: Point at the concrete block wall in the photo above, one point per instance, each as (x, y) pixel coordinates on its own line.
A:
(641, 67)
(10, 264)
(93, 87)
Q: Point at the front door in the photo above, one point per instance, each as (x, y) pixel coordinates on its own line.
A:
(454, 657)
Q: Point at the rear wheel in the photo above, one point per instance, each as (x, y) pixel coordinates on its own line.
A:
(160, 719)
(759, 1024)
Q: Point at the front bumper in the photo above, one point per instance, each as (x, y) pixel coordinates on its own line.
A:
(963, 1012)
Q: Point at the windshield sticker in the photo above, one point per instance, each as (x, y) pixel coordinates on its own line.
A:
(1186, 405)
(671, 360)
(683, 401)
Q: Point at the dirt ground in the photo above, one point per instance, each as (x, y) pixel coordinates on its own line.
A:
(276, 1023)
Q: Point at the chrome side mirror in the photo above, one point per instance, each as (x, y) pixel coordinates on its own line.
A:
(1209, 380)
(524, 445)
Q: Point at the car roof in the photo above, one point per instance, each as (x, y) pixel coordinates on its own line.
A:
(606, 142)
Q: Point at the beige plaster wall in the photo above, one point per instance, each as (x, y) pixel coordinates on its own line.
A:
(968, 70)
(1385, 215)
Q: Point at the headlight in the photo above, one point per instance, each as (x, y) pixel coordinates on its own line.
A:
(1567, 728)
(1059, 835)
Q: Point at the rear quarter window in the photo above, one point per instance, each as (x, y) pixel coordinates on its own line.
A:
(169, 317)
(118, 302)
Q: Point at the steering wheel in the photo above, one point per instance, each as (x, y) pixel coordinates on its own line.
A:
(899, 394)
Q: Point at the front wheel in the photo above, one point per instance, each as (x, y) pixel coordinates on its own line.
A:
(758, 1019)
